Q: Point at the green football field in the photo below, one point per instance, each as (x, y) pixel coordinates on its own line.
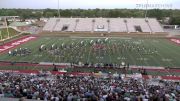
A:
(134, 51)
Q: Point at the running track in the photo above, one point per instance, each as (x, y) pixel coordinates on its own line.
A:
(78, 73)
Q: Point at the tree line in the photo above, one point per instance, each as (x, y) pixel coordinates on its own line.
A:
(160, 14)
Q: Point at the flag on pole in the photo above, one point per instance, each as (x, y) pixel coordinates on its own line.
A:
(7, 26)
(0, 34)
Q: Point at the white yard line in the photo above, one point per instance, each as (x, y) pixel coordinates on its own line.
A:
(100, 37)
(89, 54)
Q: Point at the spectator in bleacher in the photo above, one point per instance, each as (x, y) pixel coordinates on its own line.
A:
(67, 88)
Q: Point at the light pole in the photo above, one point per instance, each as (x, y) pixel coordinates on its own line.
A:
(58, 10)
(7, 27)
(146, 9)
(1, 35)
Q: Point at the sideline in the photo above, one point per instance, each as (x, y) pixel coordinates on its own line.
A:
(32, 72)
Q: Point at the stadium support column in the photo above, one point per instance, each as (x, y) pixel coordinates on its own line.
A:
(127, 29)
(147, 21)
(108, 21)
(77, 20)
(93, 24)
(14, 19)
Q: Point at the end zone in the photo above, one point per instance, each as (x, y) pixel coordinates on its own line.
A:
(12, 44)
(175, 40)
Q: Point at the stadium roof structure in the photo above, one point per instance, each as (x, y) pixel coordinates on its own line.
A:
(9, 16)
(17, 24)
(145, 25)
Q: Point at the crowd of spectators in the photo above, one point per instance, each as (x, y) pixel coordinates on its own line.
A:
(85, 88)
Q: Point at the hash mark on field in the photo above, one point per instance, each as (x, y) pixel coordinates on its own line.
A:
(155, 41)
(166, 60)
(121, 58)
(37, 55)
(142, 59)
(47, 38)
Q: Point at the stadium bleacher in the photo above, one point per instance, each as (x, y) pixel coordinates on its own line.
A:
(155, 26)
(84, 25)
(100, 24)
(148, 25)
(118, 25)
(50, 24)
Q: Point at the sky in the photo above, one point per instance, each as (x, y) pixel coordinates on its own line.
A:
(89, 4)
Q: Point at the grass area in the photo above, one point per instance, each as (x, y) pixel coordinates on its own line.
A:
(4, 33)
(13, 38)
(135, 51)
